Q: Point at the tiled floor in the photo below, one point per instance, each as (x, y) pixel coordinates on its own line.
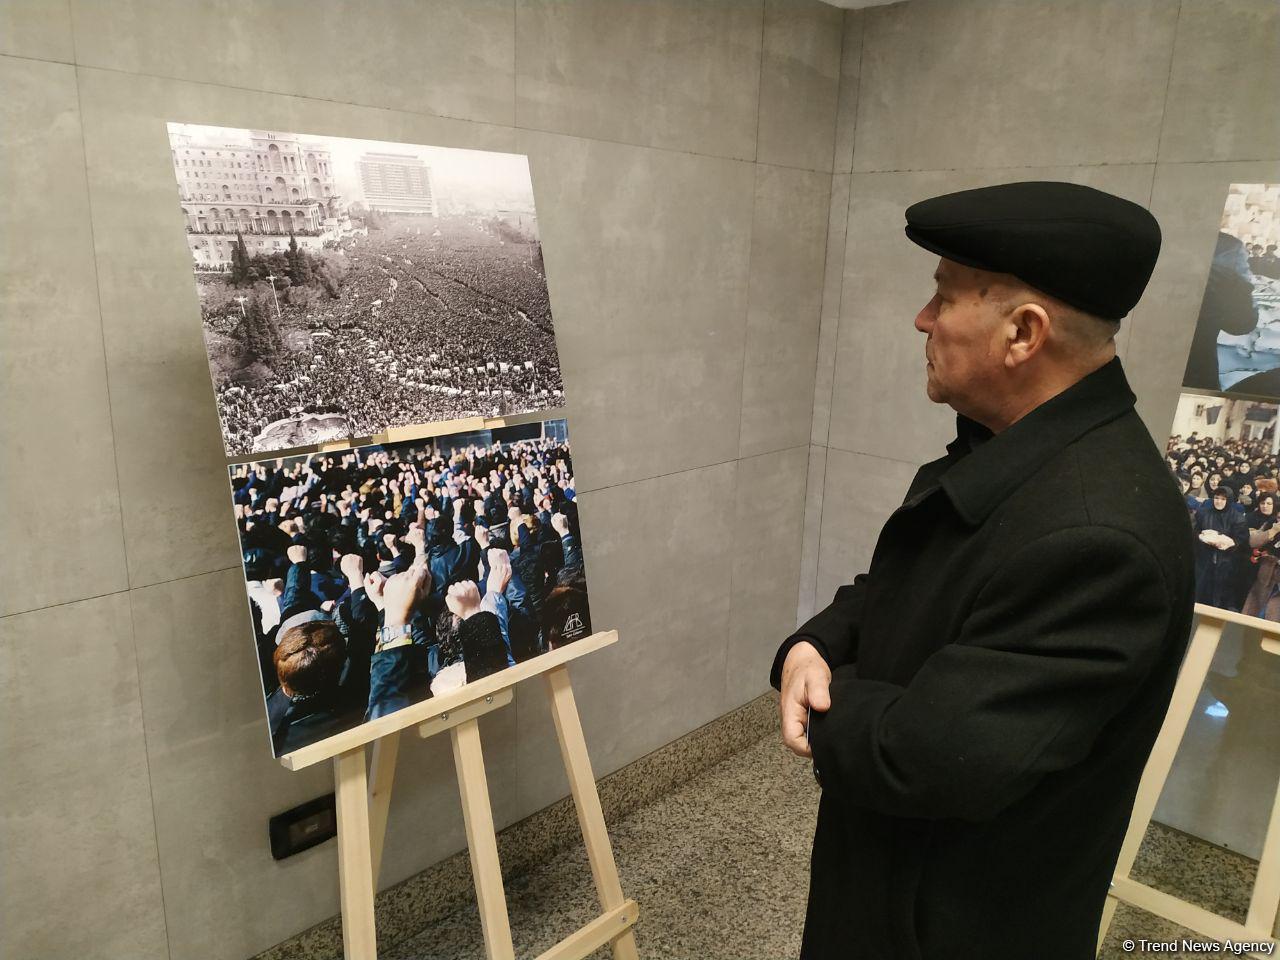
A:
(720, 870)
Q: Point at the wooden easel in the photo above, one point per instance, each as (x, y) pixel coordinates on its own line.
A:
(364, 797)
(1265, 900)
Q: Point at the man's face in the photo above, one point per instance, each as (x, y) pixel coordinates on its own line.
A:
(960, 323)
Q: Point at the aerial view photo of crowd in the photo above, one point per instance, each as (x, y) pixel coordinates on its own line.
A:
(383, 575)
(345, 288)
(1228, 469)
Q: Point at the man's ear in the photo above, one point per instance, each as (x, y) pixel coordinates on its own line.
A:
(1028, 327)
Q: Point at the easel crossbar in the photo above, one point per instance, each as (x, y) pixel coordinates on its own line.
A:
(606, 928)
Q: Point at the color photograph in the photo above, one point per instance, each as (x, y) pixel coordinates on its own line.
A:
(1236, 345)
(349, 286)
(383, 575)
(1225, 454)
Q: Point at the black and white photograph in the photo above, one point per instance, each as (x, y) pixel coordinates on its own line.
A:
(383, 575)
(1224, 453)
(350, 286)
(1236, 345)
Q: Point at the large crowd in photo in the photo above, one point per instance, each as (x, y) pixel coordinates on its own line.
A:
(435, 319)
(381, 576)
(1231, 489)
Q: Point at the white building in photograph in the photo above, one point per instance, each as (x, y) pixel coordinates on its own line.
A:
(397, 183)
(264, 187)
(1226, 418)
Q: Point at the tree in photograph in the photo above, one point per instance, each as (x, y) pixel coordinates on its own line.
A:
(250, 331)
(262, 338)
(299, 269)
(239, 261)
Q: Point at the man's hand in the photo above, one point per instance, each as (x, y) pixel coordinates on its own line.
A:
(402, 592)
(499, 570)
(463, 599)
(353, 569)
(560, 523)
(805, 682)
(373, 584)
(416, 536)
(297, 553)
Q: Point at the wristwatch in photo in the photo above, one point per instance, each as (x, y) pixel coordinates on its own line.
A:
(390, 637)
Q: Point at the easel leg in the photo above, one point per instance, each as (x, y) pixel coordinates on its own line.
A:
(355, 870)
(582, 783)
(1266, 888)
(383, 774)
(482, 841)
(1265, 901)
(1195, 667)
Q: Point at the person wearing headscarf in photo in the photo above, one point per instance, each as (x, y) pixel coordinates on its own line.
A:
(1184, 486)
(1198, 491)
(1221, 537)
(1227, 307)
(1263, 597)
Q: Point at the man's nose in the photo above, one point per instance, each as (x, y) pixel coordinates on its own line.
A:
(924, 319)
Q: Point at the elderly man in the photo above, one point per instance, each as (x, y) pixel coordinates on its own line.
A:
(980, 704)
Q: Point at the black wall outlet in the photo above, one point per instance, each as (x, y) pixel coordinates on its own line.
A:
(303, 827)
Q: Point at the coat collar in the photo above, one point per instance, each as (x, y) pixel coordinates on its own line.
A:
(988, 467)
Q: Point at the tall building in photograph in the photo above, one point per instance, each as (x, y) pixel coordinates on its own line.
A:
(257, 183)
(397, 183)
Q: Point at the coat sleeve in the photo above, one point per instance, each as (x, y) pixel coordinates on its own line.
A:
(834, 631)
(1056, 644)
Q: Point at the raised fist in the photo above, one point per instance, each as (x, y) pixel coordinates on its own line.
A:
(463, 599)
(402, 592)
(352, 565)
(373, 584)
(499, 570)
(297, 553)
(560, 523)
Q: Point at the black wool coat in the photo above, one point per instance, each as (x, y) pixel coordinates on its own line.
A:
(999, 676)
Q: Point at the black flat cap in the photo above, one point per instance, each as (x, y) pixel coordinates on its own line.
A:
(1088, 248)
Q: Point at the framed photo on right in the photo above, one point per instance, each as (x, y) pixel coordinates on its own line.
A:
(1224, 446)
